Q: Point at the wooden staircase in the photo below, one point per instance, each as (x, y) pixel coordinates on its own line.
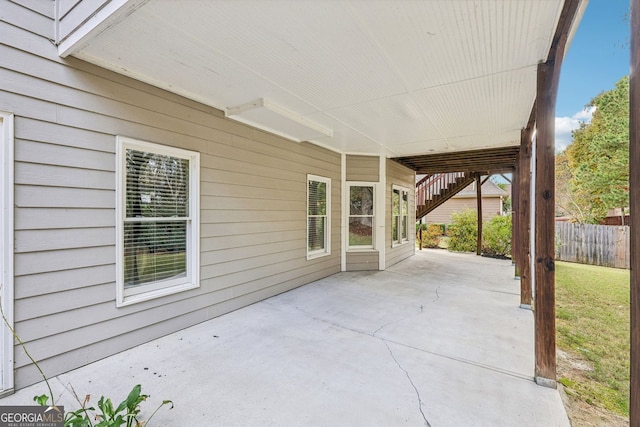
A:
(434, 190)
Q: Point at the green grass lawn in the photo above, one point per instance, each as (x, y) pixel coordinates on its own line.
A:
(356, 239)
(592, 322)
(152, 267)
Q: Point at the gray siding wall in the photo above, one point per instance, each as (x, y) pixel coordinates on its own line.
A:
(442, 214)
(363, 168)
(67, 114)
(366, 169)
(403, 177)
(362, 261)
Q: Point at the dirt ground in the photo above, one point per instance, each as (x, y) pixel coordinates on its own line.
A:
(581, 413)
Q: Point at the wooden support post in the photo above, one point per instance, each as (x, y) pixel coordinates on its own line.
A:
(545, 316)
(634, 211)
(479, 196)
(515, 200)
(547, 91)
(524, 214)
(420, 232)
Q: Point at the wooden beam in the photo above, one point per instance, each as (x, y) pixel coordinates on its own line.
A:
(496, 160)
(634, 211)
(524, 216)
(479, 202)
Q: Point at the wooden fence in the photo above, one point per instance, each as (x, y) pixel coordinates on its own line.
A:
(604, 245)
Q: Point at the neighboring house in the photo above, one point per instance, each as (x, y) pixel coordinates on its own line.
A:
(166, 162)
(614, 217)
(492, 199)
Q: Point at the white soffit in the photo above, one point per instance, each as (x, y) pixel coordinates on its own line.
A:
(378, 77)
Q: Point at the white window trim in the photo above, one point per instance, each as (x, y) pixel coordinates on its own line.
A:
(327, 231)
(192, 279)
(402, 240)
(347, 201)
(6, 216)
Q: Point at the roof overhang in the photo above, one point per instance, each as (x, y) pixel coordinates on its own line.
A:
(395, 78)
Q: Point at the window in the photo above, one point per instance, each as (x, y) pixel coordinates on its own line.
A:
(361, 218)
(400, 215)
(318, 216)
(157, 220)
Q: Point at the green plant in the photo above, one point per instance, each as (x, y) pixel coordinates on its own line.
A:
(463, 231)
(431, 236)
(126, 413)
(496, 236)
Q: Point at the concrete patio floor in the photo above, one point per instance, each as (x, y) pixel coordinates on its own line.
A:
(436, 340)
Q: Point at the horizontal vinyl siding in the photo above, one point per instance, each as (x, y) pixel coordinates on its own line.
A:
(65, 6)
(73, 13)
(404, 177)
(362, 261)
(41, 7)
(35, 16)
(67, 114)
(363, 168)
(490, 208)
(442, 214)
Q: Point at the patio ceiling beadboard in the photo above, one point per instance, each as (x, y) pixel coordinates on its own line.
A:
(394, 78)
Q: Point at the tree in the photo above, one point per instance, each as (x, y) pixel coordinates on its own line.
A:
(568, 202)
(598, 157)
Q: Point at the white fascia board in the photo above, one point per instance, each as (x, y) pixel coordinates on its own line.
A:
(380, 219)
(111, 14)
(343, 216)
(7, 250)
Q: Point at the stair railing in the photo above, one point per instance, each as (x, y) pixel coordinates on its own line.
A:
(433, 185)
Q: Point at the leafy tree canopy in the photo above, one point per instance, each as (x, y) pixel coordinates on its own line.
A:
(598, 158)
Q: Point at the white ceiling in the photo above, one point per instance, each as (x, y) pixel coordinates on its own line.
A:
(384, 77)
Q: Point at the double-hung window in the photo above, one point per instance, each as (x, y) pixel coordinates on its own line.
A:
(157, 220)
(318, 216)
(400, 215)
(361, 216)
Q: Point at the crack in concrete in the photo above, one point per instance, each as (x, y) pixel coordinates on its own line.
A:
(424, 350)
(437, 294)
(396, 321)
(387, 324)
(424, 417)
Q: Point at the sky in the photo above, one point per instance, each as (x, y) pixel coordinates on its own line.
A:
(597, 58)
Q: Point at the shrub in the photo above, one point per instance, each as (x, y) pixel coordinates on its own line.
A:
(431, 236)
(463, 231)
(496, 236)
